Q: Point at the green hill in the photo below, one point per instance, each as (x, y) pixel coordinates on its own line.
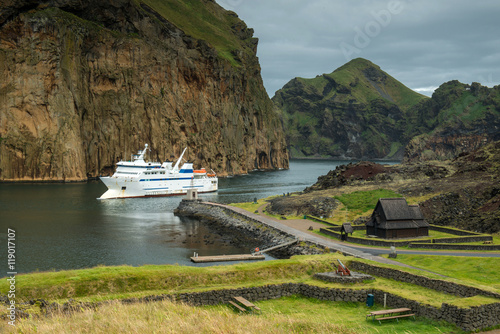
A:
(458, 118)
(357, 111)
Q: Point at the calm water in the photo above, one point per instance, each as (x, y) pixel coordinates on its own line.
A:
(64, 226)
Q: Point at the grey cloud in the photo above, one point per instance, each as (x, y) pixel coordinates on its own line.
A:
(422, 44)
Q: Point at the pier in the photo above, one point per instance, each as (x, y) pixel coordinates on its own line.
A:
(277, 246)
(259, 255)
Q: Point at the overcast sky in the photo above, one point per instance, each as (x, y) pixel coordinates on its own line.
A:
(422, 43)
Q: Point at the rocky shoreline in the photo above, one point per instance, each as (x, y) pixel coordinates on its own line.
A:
(245, 231)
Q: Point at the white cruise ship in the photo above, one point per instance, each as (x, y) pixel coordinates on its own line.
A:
(138, 178)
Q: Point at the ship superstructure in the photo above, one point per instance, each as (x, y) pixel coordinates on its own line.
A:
(138, 178)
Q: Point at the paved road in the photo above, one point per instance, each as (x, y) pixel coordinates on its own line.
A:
(371, 253)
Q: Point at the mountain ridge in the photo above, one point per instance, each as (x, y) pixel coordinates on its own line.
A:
(333, 115)
(360, 112)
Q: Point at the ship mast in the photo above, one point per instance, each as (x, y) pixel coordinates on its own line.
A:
(180, 159)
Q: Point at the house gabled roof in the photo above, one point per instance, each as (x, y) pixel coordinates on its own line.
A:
(347, 228)
(398, 209)
(398, 214)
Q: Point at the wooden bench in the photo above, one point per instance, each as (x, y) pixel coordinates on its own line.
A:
(247, 306)
(391, 314)
(238, 307)
(396, 317)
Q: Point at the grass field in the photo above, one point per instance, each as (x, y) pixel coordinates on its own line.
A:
(477, 271)
(285, 315)
(291, 314)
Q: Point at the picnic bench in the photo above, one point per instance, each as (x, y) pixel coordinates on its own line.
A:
(396, 313)
(243, 305)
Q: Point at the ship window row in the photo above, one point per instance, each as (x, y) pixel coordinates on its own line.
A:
(154, 173)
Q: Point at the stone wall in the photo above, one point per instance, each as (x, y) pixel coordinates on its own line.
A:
(451, 230)
(465, 237)
(455, 247)
(429, 283)
(365, 241)
(459, 240)
(272, 292)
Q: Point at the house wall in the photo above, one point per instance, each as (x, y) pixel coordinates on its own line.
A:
(398, 233)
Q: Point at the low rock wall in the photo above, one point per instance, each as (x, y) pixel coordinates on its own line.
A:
(363, 241)
(455, 247)
(459, 240)
(335, 232)
(272, 292)
(451, 230)
(429, 283)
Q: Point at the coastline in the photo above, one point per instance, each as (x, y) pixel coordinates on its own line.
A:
(245, 230)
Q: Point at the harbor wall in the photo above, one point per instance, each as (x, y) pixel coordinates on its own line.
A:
(246, 229)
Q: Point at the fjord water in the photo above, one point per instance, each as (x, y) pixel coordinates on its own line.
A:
(64, 226)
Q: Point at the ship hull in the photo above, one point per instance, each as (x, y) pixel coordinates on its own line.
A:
(132, 188)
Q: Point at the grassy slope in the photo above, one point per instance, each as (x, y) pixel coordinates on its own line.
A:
(202, 20)
(364, 91)
(307, 109)
(361, 203)
(481, 272)
(103, 283)
(122, 281)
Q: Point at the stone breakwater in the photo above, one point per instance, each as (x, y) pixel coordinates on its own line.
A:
(469, 319)
(246, 230)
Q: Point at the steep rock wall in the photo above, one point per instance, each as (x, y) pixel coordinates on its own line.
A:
(87, 84)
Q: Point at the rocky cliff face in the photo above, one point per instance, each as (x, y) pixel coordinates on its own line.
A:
(85, 84)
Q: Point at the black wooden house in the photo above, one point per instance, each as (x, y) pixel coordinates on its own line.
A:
(394, 218)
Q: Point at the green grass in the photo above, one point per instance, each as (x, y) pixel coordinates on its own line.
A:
(104, 283)
(290, 314)
(432, 234)
(293, 314)
(361, 202)
(309, 315)
(201, 20)
(478, 271)
(250, 206)
(123, 280)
